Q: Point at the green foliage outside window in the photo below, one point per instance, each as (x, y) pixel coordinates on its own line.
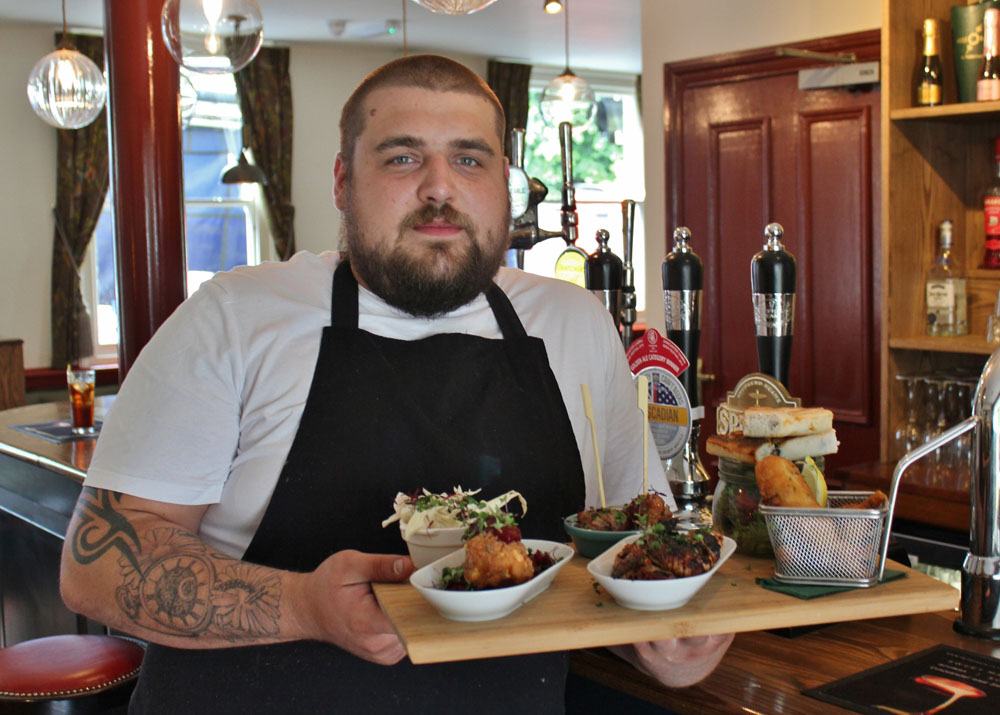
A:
(596, 156)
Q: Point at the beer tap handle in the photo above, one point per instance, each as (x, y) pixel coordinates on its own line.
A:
(517, 148)
(682, 274)
(628, 288)
(772, 285)
(570, 220)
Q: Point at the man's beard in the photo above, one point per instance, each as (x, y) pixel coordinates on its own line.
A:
(443, 277)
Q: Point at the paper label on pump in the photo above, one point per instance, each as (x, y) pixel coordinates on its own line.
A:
(654, 350)
(669, 412)
(661, 361)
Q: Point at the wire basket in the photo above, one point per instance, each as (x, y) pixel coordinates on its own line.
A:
(831, 546)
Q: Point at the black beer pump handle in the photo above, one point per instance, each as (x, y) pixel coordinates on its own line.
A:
(683, 277)
(772, 281)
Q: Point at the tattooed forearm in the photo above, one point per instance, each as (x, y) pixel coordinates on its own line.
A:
(99, 528)
(174, 583)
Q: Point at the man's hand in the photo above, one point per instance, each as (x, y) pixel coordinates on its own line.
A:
(676, 662)
(339, 606)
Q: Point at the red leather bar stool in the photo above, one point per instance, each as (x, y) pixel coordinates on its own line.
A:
(69, 675)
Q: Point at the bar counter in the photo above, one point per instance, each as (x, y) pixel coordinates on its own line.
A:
(763, 672)
(39, 484)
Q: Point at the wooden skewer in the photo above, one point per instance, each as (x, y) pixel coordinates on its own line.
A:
(642, 386)
(588, 409)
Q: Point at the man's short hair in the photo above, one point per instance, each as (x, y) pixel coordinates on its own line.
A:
(423, 71)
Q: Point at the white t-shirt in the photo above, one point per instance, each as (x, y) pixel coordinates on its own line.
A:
(209, 409)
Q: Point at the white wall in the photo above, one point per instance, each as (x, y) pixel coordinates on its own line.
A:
(674, 30)
(27, 194)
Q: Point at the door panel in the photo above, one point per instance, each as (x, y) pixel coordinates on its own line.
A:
(747, 147)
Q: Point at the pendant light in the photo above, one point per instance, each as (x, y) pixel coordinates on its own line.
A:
(568, 98)
(65, 88)
(212, 36)
(243, 172)
(552, 7)
(454, 7)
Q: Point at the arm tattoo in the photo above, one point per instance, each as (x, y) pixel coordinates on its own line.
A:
(174, 583)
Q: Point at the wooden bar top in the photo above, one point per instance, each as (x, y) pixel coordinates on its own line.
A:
(68, 458)
(764, 672)
(926, 495)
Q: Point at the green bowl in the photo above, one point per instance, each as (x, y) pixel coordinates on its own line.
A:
(590, 543)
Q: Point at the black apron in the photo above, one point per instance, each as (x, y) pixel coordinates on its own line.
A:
(384, 416)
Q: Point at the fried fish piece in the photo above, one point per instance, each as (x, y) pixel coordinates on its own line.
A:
(491, 563)
(781, 484)
(875, 501)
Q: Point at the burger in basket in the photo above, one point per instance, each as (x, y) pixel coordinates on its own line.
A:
(803, 435)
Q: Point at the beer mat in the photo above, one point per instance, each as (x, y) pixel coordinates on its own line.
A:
(58, 431)
(807, 591)
(939, 678)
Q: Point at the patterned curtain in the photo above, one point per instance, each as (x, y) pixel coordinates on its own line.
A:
(510, 83)
(81, 187)
(264, 89)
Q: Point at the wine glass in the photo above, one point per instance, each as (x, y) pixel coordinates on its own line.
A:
(908, 434)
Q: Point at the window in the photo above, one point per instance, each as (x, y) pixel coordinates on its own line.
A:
(222, 221)
(607, 169)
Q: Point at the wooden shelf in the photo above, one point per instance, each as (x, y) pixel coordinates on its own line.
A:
(936, 163)
(973, 111)
(973, 344)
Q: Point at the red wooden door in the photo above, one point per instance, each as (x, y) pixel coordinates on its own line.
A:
(748, 147)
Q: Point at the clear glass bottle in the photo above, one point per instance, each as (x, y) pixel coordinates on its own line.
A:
(991, 213)
(988, 82)
(945, 290)
(929, 74)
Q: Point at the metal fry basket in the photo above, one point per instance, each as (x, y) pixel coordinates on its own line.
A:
(841, 547)
(828, 547)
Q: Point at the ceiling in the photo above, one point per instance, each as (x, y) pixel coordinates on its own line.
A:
(603, 35)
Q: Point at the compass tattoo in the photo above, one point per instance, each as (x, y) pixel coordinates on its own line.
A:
(172, 582)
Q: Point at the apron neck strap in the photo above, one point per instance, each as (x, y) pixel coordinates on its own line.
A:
(344, 306)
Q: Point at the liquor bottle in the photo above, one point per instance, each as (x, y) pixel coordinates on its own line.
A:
(991, 213)
(946, 301)
(929, 76)
(988, 83)
(772, 282)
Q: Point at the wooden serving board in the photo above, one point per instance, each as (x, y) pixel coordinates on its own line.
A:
(573, 614)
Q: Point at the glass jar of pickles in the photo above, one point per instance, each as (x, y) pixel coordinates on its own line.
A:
(734, 507)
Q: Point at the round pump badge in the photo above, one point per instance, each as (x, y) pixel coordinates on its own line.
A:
(669, 411)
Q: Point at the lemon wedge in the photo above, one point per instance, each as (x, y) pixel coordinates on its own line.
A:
(814, 478)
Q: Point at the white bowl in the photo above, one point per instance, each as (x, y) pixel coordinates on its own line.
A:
(492, 603)
(428, 545)
(661, 595)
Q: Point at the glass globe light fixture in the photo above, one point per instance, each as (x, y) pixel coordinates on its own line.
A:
(66, 89)
(212, 36)
(454, 7)
(568, 98)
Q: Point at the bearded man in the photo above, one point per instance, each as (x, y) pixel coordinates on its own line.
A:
(231, 513)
